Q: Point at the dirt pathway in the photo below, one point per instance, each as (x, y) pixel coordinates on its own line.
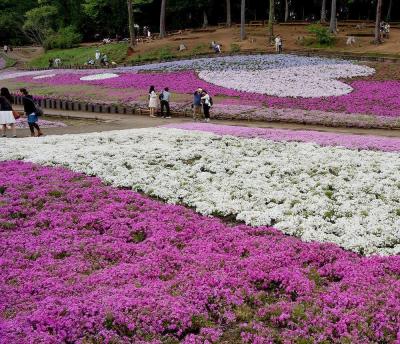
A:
(87, 122)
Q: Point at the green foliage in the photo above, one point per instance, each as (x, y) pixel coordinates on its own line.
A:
(165, 53)
(322, 35)
(64, 39)
(40, 23)
(200, 49)
(78, 56)
(235, 48)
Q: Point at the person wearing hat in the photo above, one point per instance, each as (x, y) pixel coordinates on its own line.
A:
(197, 105)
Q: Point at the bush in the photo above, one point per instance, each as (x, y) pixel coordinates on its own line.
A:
(65, 38)
(322, 35)
(235, 48)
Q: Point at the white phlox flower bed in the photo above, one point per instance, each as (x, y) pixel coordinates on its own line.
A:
(324, 194)
(312, 81)
(101, 76)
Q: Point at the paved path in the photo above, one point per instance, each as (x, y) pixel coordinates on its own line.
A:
(86, 122)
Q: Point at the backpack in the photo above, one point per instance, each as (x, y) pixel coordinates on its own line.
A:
(161, 96)
(211, 101)
(38, 109)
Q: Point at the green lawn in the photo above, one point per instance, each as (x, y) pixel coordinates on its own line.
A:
(78, 56)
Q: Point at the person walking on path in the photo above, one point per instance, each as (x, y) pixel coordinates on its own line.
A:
(278, 44)
(5, 49)
(207, 103)
(165, 97)
(197, 103)
(31, 112)
(153, 101)
(7, 118)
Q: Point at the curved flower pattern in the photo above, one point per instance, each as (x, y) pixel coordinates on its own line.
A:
(303, 81)
(324, 194)
(101, 76)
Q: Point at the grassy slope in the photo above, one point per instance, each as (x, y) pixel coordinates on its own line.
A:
(9, 61)
(116, 52)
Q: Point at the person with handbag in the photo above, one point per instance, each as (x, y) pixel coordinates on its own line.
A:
(6, 117)
(32, 112)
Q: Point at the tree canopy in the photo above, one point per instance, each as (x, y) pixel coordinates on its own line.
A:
(30, 20)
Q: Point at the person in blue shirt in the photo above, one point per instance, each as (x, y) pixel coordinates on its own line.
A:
(197, 104)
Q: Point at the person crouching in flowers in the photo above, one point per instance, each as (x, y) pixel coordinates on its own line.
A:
(30, 111)
(153, 101)
(207, 103)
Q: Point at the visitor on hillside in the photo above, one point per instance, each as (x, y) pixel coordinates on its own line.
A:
(5, 48)
(7, 118)
(197, 106)
(57, 62)
(165, 97)
(207, 103)
(31, 112)
(278, 44)
(153, 101)
(97, 55)
(51, 62)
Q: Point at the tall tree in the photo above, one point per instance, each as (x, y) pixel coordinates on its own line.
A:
(162, 18)
(286, 11)
(378, 38)
(131, 24)
(389, 12)
(333, 23)
(243, 20)
(271, 20)
(323, 11)
(228, 13)
(205, 18)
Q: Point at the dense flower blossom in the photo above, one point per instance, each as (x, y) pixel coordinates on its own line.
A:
(299, 82)
(322, 138)
(85, 263)
(22, 123)
(326, 194)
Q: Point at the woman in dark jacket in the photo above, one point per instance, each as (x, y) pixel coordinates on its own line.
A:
(30, 111)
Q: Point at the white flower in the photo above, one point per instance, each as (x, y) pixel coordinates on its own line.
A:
(102, 76)
(325, 194)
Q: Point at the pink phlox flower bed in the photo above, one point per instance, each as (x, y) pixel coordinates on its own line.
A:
(321, 138)
(22, 123)
(82, 262)
(379, 98)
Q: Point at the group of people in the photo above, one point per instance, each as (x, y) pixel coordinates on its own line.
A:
(161, 99)
(202, 103)
(99, 58)
(55, 62)
(8, 115)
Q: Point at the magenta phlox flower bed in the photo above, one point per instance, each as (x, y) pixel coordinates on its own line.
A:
(386, 144)
(83, 263)
(380, 98)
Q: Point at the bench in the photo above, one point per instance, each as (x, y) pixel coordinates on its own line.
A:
(256, 23)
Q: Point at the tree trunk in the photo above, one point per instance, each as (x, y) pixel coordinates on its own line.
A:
(205, 19)
(228, 13)
(271, 20)
(333, 23)
(286, 11)
(323, 12)
(378, 39)
(162, 19)
(132, 38)
(243, 20)
(389, 12)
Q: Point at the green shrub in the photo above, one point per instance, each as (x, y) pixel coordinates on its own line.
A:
(322, 35)
(200, 49)
(65, 38)
(235, 48)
